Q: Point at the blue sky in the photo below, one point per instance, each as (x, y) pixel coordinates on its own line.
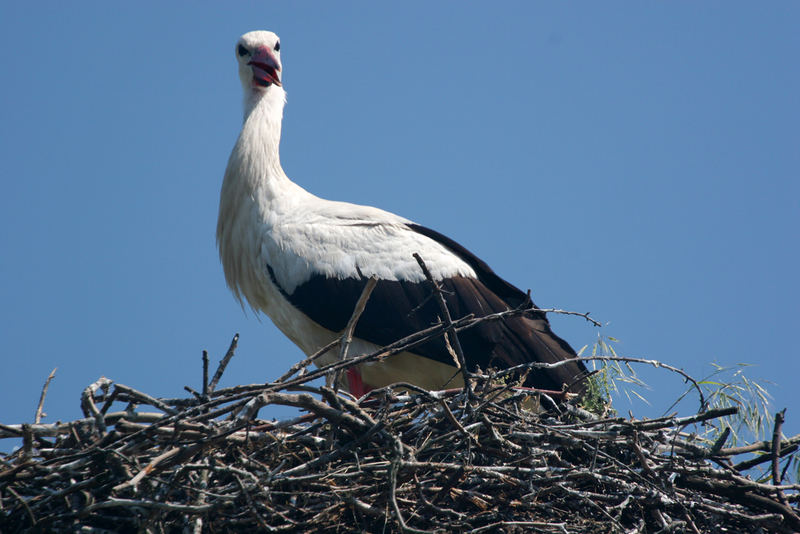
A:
(636, 160)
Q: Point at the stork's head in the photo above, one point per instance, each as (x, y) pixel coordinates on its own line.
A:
(259, 57)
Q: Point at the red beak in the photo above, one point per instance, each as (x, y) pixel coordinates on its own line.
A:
(265, 67)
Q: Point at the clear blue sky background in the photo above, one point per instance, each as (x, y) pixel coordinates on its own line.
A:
(637, 160)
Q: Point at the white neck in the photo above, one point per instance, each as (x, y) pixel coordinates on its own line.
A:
(258, 146)
(253, 186)
(273, 98)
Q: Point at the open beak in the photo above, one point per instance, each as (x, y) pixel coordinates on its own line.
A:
(265, 67)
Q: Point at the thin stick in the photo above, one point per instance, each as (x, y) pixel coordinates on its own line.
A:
(205, 375)
(88, 406)
(718, 444)
(24, 504)
(655, 363)
(764, 446)
(42, 396)
(308, 361)
(683, 421)
(450, 332)
(756, 460)
(394, 467)
(347, 335)
(357, 311)
(224, 363)
(776, 445)
(147, 469)
(143, 398)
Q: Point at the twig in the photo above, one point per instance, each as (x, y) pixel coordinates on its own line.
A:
(640, 454)
(204, 475)
(776, 445)
(42, 396)
(143, 503)
(450, 333)
(27, 442)
(720, 442)
(24, 505)
(251, 505)
(223, 363)
(454, 421)
(308, 361)
(347, 334)
(87, 402)
(149, 468)
(756, 460)
(538, 525)
(144, 398)
(205, 375)
(764, 446)
(655, 363)
(395, 465)
(683, 421)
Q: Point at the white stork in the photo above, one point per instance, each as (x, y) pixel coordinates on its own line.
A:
(304, 261)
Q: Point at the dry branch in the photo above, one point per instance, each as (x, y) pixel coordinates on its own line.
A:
(40, 407)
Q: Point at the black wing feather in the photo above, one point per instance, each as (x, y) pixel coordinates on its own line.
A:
(397, 309)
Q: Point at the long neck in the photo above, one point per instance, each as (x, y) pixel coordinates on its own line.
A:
(253, 186)
(256, 156)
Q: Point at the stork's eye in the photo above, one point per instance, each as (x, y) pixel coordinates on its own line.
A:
(277, 46)
(242, 50)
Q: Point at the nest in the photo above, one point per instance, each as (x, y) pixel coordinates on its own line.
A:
(398, 460)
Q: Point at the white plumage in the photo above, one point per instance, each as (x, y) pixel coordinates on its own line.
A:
(279, 243)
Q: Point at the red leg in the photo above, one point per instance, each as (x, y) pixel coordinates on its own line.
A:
(356, 386)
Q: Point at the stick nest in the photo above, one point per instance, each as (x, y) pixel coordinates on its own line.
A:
(397, 460)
